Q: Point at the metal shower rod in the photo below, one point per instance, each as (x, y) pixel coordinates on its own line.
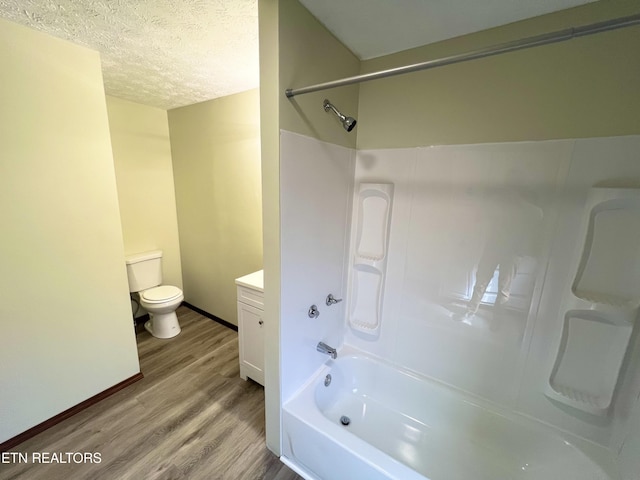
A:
(544, 39)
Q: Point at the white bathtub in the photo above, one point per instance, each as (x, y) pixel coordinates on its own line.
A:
(406, 427)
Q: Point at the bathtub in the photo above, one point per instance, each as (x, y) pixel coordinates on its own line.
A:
(405, 427)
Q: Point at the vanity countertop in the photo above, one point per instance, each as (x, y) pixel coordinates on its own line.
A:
(253, 280)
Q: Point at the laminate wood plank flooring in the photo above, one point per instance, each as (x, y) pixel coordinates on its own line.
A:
(190, 417)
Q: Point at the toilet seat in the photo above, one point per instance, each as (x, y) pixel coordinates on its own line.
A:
(161, 294)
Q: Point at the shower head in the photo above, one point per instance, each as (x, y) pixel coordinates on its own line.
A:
(347, 122)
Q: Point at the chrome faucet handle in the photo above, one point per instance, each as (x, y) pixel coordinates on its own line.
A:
(313, 312)
(332, 300)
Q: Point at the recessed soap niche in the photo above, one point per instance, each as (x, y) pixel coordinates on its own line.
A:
(601, 303)
(371, 217)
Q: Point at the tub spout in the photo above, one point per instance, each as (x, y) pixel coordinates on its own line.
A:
(324, 348)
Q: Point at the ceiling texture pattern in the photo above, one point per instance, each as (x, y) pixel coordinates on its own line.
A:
(163, 53)
(171, 53)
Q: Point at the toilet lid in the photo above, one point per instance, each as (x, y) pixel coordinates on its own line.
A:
(163, 293)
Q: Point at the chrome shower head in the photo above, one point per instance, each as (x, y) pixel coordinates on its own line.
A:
(347, 122)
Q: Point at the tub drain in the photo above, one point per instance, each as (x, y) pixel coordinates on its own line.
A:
(344, 420)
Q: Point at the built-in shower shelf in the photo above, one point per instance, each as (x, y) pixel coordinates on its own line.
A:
(589, 360)
(371, 217)
(364, 325)
(582, 400)
(373, 214)
(373, 258)
(600, 304)
(603, 299)
(608, 272)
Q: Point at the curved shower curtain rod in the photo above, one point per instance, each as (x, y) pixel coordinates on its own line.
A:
(544, 39)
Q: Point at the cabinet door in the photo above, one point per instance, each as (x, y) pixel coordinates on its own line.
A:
(251, 338)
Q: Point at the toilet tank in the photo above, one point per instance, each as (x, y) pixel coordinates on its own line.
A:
(144, 270)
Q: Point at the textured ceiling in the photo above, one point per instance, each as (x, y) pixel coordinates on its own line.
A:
(171, 53)
(164, 53)
(372, 28)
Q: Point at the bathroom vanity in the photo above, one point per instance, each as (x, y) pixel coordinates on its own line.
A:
(250, 291)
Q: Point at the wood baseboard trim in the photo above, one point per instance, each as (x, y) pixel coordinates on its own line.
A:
(211, 316)
(41, 427)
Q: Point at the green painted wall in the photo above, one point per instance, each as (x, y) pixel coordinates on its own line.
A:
(586, 87)
(215, 147)
(310, 54)
(144, 176)
(67, 331)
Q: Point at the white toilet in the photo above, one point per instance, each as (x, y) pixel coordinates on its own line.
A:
(145, 277)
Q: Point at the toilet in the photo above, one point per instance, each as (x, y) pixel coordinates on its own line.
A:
(144, 271)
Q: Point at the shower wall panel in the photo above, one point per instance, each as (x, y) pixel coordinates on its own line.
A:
(611, 162)
(479, 257)
(316, 183)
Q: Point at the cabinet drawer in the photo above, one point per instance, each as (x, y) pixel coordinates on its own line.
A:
(251, 297)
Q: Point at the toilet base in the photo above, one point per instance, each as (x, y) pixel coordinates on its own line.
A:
(163, 325)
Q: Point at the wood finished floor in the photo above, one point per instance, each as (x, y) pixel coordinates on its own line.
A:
(191, 417)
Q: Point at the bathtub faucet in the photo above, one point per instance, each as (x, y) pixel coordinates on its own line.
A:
(324, 348)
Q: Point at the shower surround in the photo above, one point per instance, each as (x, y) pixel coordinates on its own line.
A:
(516, 205)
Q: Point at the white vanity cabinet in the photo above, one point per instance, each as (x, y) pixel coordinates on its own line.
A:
(250, 326)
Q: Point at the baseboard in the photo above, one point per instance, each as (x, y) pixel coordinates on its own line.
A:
(212, 317)
(33, 431)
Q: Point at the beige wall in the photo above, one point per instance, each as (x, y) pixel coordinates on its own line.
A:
(144, 176)
(215, 147)
(270, 156)
(66, 323)
(585, 87)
